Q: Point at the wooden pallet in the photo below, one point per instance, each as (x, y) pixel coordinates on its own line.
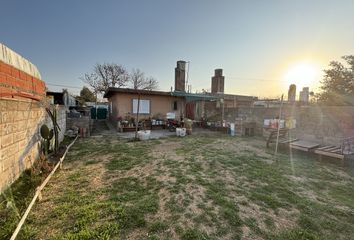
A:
(346, 149)
(330, 151)
(303, 145)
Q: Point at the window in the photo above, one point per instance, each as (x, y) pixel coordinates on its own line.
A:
(175, 105)
(144, 106)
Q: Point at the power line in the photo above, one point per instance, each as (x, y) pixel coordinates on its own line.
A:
(59, 85)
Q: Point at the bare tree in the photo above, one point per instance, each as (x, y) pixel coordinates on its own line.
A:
(106, 75)
(138, 80)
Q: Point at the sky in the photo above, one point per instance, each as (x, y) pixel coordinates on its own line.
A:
(262, 46)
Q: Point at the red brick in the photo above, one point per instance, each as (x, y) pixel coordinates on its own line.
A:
(5, 68)
(23, 76)
(8, 81)
(15, 82)
(29, 78)
(15, 72)
(2, 65)
(4, 90)
(2, 77)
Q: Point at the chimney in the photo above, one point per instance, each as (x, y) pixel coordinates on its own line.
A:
(180, 76)
(217, 82)
(292, 93)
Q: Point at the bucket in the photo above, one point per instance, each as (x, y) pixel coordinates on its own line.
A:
(180, 132)
(144, 135)
(232, 129)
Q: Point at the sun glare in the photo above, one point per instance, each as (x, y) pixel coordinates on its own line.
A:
(304, 74)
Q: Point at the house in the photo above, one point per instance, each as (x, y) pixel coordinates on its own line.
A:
(123, 102)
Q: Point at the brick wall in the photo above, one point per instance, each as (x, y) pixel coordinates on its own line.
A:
(15, 82)
(22, 113)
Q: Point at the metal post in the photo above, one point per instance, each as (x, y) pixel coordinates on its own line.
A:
(137, 118)
(222, 112)
(280, 112)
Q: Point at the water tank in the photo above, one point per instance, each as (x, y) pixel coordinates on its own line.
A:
(181, 65)
(218, 72)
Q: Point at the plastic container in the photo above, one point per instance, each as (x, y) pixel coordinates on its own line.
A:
(144, 135)
(232, 129)
(181, 132)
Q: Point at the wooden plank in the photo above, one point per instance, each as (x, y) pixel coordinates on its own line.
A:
(325, 147)
(333, 149)
(329, 154)
(289, 140)
(305, 144)
(330, 149)
(337, 151)
(305, 149)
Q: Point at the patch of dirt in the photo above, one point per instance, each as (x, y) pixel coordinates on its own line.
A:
(167, 149)
(137, 234)
(297, 179)
(284, 219)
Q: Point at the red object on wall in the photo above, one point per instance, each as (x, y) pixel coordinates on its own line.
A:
(14, 82)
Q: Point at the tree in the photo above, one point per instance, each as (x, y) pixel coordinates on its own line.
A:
(338, 83)
(106, 75)
(138, 80)
(86, 95)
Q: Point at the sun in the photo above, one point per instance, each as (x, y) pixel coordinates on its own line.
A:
(303, 74)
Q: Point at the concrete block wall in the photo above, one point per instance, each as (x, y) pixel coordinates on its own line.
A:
(82, 122)
(61, 120)
(20, 140)
(19, 137)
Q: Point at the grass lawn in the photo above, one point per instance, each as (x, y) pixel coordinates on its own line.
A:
(197, 187)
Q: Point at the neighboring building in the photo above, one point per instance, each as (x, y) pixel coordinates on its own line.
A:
(61, 98)
(292, 93)
(268, 103)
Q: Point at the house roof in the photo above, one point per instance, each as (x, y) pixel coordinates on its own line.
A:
(236, 97)
(194, 96)
(188, 96)
(112, 90)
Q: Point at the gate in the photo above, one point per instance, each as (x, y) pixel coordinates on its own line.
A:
(101, 113)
